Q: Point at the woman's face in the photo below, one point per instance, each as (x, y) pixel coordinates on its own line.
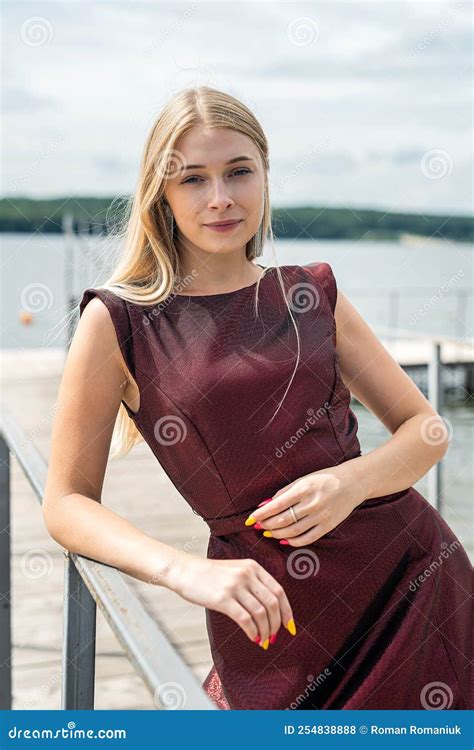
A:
(216, 190)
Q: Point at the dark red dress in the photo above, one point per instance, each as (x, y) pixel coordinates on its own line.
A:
(383, 603)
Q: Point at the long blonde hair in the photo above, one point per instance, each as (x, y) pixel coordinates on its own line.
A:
(149, 266)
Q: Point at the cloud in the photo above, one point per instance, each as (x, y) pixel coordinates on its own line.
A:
(17, 100)
(379, 83)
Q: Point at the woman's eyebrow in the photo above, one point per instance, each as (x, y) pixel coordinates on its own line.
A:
(231, 161)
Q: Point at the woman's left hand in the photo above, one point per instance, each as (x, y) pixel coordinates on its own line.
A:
(320, 500)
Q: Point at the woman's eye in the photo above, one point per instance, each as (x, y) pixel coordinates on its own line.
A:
(242, 170)
(188, 181)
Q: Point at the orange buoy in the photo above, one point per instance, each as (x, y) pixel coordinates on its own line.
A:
(26, 318)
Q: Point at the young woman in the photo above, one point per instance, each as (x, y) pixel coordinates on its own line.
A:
(329, 582)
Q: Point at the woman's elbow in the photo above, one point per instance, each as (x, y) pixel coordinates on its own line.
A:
(52, 519)
(436, 432)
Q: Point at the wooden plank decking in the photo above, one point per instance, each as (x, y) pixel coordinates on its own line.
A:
(136, 487)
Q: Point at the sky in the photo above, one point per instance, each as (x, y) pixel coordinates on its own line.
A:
(364, 104)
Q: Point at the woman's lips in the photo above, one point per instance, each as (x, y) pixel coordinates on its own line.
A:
(223, 227)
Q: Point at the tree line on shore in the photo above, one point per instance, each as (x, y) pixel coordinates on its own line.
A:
(100, 215)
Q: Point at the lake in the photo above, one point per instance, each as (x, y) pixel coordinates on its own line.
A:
(418, 284)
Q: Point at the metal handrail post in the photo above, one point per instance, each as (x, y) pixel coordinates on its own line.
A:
(435, 397)
(89, 584)
(78, 657)
(5, 580)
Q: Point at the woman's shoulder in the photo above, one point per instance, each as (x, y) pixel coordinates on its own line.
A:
(111, 299)
(321, 275)
(116, 309)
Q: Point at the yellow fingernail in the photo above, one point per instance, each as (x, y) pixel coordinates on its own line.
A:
(291, 626)
(265, 644)
(267, 533)
(250, 520)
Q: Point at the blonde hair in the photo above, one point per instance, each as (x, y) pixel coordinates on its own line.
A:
(149, 266)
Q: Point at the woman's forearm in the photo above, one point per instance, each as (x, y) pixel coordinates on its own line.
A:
(409, 453)
(82, 525)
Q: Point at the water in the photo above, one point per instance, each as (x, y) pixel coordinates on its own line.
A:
(457, 468)
(418, 285)
(423, 285)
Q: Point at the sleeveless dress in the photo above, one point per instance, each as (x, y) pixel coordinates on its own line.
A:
(383, 602)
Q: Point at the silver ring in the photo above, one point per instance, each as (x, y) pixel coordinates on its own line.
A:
(293, 514)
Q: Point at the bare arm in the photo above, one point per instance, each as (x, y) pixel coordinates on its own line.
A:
(93, 384)
(419, 435)
(322, 499)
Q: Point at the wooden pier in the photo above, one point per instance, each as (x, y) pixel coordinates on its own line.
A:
(137, 488)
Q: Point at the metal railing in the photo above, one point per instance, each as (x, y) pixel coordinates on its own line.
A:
(397, 305)
(435, 395)
(87, 584)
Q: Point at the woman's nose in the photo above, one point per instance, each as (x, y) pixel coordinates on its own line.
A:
(219, 195)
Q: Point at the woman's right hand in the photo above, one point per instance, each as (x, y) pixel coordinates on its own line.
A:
(241, 589)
